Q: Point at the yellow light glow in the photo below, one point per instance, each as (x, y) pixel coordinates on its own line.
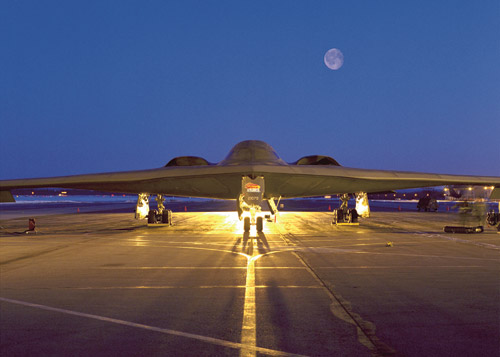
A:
(143, 211)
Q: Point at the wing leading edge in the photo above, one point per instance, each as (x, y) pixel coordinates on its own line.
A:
(249, 158)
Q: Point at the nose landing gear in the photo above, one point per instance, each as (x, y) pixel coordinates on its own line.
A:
(249, 203)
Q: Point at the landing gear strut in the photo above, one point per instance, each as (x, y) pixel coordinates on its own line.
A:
(249, 201)
(273, 209)
(362, 205)
(142, 207)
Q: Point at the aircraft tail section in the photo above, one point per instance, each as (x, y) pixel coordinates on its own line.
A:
(6, 196)
(495, 194)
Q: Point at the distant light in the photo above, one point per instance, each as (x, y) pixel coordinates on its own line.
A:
(470, 188)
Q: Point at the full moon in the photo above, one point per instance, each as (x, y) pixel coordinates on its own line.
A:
(334, 59)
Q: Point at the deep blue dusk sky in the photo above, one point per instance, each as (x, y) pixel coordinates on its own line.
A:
(96, 86)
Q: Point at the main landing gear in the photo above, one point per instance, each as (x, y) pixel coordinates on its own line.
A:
(154, 216)
(493, 219)
(344, 215)
(160, 215)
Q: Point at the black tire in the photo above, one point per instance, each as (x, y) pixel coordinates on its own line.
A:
(246, 224)
(152, 216)
(166, 217)
(260, 224)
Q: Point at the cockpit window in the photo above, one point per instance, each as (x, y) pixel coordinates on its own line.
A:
(262, 154)
(240, 154)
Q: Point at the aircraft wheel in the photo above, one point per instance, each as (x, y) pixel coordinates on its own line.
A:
(246, 224)
(166, 216)
(152, 216)
(260, 224)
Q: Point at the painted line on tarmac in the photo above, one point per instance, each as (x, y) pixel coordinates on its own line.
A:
(198, 268)
(172, 268)
(211, 340)
(458, 240)
(166, 287)
(427, 256)
(404, 266)
(389, 252)
(195, 268)
(249, 324)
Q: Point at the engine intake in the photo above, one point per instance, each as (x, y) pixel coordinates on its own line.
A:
(188, 161)
(316, 160)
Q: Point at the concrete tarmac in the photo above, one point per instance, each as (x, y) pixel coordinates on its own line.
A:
(106, 284)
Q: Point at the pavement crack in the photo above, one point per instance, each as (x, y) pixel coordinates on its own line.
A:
(342, 309)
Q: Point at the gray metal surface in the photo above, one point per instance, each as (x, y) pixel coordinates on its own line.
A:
(250, 158)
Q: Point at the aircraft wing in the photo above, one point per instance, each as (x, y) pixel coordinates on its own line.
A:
(305, 181)
(224, 181)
